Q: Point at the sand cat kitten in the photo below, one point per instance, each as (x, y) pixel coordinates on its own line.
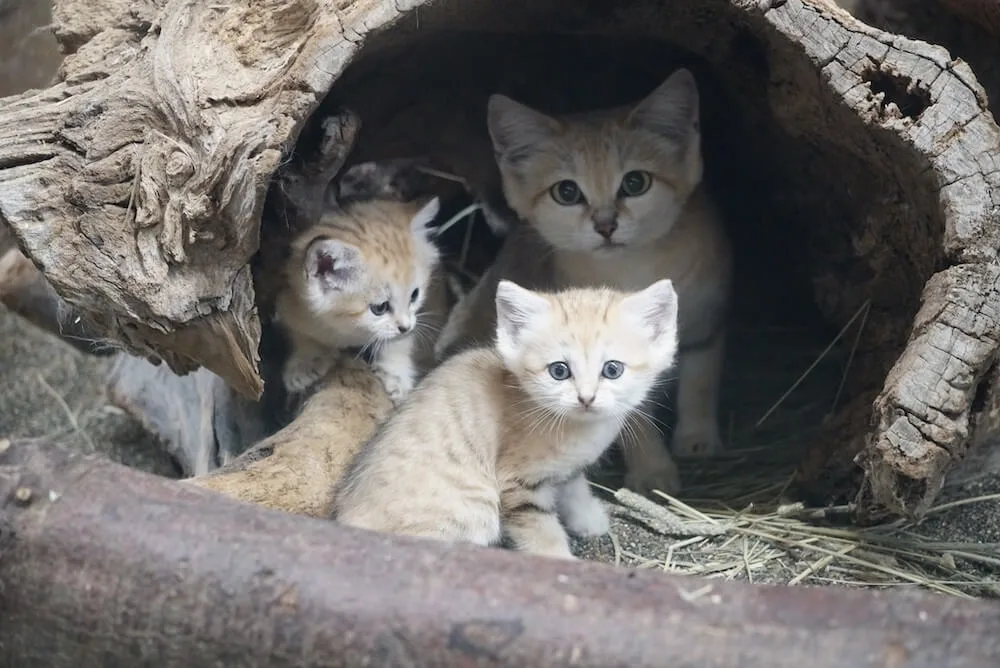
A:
(358, 279)
(494, 442)
(615, 197)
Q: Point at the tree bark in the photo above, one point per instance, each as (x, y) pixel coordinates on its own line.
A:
(106, 566)
(137, 181)
(137, 184)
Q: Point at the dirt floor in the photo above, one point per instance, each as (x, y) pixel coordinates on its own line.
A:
(728, 524)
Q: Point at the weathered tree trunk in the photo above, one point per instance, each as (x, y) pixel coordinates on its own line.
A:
(137, 183)
(105, 566)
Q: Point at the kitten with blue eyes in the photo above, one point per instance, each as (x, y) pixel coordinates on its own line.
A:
(494, 442)
(614, 198)
(359, 279)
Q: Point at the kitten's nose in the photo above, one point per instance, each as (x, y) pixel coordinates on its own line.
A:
(404, 327)
(605, 223)
(585, 401)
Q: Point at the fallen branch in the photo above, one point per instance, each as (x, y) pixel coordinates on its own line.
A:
(103, 565)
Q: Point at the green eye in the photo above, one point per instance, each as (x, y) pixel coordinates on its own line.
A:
(566, 193)
(613, 369)
(635, 183)
(559, 370)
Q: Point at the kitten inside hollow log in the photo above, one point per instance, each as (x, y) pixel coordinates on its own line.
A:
(494, 442)
(359, 279)
(615, 198)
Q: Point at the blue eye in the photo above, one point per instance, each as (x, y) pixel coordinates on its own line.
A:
(414, 295)
(613, 369)
(380, 309)
(559, 370)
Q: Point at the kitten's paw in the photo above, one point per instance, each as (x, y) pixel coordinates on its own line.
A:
(665, 477)
(587, 519)
(300, 376)
(551, 551)
(397, 385)
(697, 443)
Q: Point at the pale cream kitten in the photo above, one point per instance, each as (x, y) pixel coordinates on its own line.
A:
(615, 196)
(358, 279)
(495, 441)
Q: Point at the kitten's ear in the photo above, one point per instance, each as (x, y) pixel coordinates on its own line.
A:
(332, 264)
(654, 309)
(428, 212)
(515, 128)
(517, 308)
(672, 109)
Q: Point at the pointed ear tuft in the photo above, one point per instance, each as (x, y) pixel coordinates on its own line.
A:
(332, 265)
(420, 224)
(517, 308)
(672, 109)
(654, 309)
(515, 128)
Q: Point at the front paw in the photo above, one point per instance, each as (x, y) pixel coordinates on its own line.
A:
(300, 376)
(697, 443)
(397, 386)
(587, 519)
(665, 477)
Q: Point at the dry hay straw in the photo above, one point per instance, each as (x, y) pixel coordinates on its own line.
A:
(795, 545)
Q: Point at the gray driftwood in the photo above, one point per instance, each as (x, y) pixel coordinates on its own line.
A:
(137, 183)
(106, 566)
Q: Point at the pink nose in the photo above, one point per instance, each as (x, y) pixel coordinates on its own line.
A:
(585, 402)
(606, 229)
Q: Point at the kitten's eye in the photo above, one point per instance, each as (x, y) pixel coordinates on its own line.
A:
(416, 293)
(380, 309)
(635, 183)
(559, 370)
(566, 193)
(613, 369)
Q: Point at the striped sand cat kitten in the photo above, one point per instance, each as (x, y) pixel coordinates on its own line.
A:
(494, 442)
(614, 196)
(358, 279)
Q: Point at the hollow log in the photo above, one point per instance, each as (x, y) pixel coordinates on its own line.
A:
(136, 183)
(107, 566)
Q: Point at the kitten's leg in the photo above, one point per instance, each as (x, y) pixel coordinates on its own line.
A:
(395, 367)
(537, 531)
(307, 363)
(648, 464)
(699, 375)
(582, 512)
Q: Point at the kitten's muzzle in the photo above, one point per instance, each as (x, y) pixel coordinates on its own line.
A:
(586, 402)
